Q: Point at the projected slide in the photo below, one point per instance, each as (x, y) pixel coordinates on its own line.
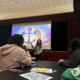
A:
(32, 33)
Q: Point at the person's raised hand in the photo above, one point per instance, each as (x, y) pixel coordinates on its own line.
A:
(24, 47)
(70, 51)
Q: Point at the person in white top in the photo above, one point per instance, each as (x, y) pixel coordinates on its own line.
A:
(38, 49)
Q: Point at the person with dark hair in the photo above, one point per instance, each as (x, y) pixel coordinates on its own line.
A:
(16, 39)
(14, 54)
(38, 49)
(74, 51)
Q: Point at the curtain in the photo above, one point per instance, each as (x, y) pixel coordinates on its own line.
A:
(73, 29)
(52, 55)
(51, 17)
(73, 23)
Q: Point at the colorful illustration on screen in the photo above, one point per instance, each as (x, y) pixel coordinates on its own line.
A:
(34, 32)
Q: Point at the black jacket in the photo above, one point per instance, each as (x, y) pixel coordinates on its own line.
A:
(74, 60)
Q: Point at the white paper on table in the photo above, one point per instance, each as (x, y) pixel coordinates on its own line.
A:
(35, 76)
(45, 71)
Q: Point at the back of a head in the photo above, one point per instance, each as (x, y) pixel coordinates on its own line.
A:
(75, 43)
(16, 39)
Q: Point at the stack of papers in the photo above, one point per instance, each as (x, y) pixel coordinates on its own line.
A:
(35, 76)
(45, 70)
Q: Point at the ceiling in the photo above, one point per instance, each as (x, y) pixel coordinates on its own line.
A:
(10, 6)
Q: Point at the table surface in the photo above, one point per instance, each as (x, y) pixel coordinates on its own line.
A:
(7, 75)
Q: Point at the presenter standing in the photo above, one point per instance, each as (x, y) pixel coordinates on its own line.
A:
(38, 49)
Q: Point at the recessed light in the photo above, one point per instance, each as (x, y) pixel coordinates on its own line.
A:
(12, 2)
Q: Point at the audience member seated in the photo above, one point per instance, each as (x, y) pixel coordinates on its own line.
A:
(74, 51)
(14, 54)
(71, 74)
